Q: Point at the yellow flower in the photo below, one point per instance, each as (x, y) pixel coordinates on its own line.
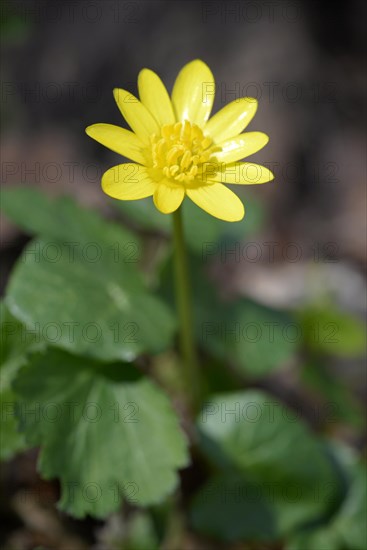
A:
(176, 150)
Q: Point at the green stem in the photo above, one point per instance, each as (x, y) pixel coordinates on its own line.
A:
(184, 305)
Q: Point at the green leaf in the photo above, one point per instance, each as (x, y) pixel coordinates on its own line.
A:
(257, 339)
(266, 442)
(347, 529)
(145, 215)
(209, 237)
(15, 342)
(321, 539)
(103, 430)
(83, 231)
(254, 338)
(344, 406)
(100, 310)
(350, 522)
(332, 331)
(11, 440)
(230, 508)
(205, 235)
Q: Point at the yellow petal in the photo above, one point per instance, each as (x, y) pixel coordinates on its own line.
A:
(155, 98)
(193, 93)
(128, 182)
(241, 173)
(168, 199)
(119, 140)
(241, 146)
(219, 201)
(232, 119)
(136, 115)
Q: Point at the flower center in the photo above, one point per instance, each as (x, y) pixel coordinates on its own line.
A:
(181, 151)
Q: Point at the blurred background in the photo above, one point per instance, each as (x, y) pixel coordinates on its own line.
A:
(302, 61)
(305, 63)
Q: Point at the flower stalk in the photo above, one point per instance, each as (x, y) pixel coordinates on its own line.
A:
(184, 306)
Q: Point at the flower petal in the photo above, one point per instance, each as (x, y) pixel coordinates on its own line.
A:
(155, 98)
(241, 173)
(193, 93)
(119, 140)
(136, 115)
(232, 119)
(241, 146)
(128, 182)
(219, 201)
(167, 199)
